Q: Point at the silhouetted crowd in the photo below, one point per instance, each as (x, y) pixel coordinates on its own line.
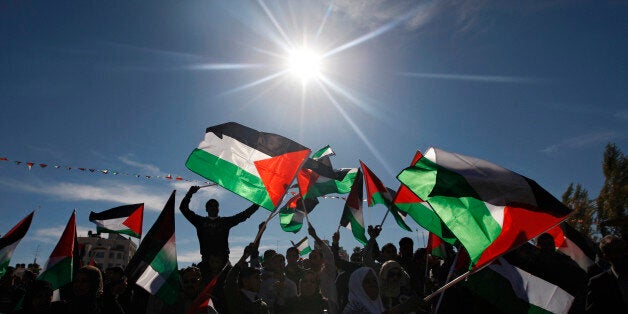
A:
(390, 279)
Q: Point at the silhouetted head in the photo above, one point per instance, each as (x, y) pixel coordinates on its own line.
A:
(546, 243)
(212, 208)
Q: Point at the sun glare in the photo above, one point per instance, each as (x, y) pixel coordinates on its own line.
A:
(304, 64)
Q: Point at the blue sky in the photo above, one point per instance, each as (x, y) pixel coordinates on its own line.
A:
(130, 86)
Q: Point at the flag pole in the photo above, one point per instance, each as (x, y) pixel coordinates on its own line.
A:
(449, 275)
(206, 185)
(385, 215)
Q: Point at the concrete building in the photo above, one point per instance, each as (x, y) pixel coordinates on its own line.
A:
(115, 250)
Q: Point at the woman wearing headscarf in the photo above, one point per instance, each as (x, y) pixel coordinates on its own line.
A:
(395, 284)
(364, 294)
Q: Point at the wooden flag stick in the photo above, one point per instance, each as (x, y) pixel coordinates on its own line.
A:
(449, 275)
(385, 215)
(204, 186)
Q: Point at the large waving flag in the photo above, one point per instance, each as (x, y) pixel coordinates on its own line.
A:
(154, 265)
(352, 215)
(292, 214)
(256, 165)
(377, 193)
(490, 209)
(11, 239)
(421, 211)
(126, 219)
(59, 269)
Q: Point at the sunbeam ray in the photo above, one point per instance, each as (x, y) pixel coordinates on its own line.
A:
(255, 83)
(320, 28)
(276, 24)
(383, 29)
(355, 128)
(225, 66)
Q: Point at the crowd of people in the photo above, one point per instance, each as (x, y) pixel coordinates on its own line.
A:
(393, 279)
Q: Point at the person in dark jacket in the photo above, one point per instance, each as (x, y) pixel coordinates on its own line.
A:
(608, 291)
(212, 231)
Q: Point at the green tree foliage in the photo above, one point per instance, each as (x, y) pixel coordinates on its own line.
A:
(612, 203)
(577, 198)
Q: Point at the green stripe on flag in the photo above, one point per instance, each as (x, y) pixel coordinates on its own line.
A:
(59, 274)
(456, 203)
(220, 171)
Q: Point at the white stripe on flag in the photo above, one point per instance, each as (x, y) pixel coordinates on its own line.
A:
(151, 280)
(233, 151)
(112, 224)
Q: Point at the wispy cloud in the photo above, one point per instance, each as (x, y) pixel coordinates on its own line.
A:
(105, 190)
(580, 141)
(192, 256)
(371, 14)
(147, 168)
(623, 115)
(52, 234)
(475, 78)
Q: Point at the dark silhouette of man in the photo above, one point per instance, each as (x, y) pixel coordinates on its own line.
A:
(212, 231)
(608, 291)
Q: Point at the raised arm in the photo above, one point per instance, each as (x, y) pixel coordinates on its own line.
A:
(240, 217)
(185, 205)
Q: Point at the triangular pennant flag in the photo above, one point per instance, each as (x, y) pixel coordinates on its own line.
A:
(43, 165)
(11, 239)
(30, 165)
(154, 265)
(352, 215)
(377, 193)
(60, 266)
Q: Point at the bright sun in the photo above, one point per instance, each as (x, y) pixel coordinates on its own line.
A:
(304, 64)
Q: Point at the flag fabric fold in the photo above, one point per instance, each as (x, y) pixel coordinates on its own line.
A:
(292, 214)
(490, 209)
(378, 193)
(256, 165)
(574, 244)
(514, 285)
(126, 219)
(203, 301)
(154, 265)
(59, 269)
(421, 211)
(352, 215)
(11, 239)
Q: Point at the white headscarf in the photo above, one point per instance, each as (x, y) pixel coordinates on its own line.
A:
(357, 293)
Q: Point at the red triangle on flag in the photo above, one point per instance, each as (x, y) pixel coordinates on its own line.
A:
(65, 246)
(135, 220)
(278, 172)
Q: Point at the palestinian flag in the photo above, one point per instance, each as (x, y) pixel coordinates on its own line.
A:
(126, 219)
(340, 183)
(377, 193)
(436, 246)
(513, 285)
(292, 214)
(303, 246)
(491, 210)
(323, 155)
(352, 215)
(154, 265)
(60, 266)
(421, 211)
(256, 165)
(574, 244)
(203, 301)
(11, 239)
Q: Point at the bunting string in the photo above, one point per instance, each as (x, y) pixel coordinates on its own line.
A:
(30, 165)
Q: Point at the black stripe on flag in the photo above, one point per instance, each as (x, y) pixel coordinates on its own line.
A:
(268, 143)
